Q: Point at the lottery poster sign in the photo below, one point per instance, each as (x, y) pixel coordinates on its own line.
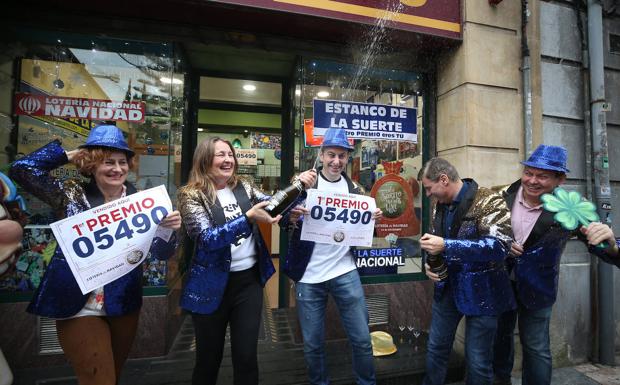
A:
(339, 218)
(365, 120)
(108, 241)
(247, 157)
(79, 108)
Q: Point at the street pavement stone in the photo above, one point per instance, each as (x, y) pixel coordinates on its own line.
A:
(584, 374)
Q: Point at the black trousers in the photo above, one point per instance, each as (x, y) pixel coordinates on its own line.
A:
(241, 307)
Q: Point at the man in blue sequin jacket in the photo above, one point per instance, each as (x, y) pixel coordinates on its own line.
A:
(471, 229)
(534, 265)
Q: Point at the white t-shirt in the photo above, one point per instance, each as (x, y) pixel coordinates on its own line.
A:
(329, 261)
(94, 303)
(243, 251)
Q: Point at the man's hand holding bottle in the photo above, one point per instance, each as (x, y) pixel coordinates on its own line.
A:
(435, 267)
(308, 178)
(429, 273)
(432, 244)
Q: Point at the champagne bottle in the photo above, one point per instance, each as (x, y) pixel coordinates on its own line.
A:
(283, 199)
(438, 265)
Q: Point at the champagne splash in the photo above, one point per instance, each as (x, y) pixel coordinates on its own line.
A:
(370, 44)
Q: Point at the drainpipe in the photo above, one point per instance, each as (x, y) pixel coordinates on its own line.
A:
(587, 136)
(602, 190)
(587, 129)
(526, 78)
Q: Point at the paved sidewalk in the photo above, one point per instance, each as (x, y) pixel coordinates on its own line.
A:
(281, 363)
(585, 374)
(152, 372)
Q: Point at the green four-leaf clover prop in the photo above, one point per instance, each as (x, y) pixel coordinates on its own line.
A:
(571, 210)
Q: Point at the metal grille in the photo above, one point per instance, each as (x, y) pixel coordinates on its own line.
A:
(378, 309)
(48, 337)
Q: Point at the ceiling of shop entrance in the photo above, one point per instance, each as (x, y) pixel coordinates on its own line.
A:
(237, 62)
(233, 91)
(230, 59)
(240, 91)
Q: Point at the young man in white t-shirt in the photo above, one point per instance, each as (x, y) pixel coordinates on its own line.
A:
(320, 269)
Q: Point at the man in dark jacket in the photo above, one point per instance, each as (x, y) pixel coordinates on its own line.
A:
(471, 230)
(535, 263)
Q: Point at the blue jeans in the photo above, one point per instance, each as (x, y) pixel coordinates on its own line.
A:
(534, 335)
(479, 334)
(347, 292)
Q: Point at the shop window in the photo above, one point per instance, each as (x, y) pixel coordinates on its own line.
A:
(386, 169)
(64, 88)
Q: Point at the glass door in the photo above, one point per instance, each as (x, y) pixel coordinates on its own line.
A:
(248, 114)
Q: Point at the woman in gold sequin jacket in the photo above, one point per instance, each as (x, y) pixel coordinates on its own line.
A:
(231, 264)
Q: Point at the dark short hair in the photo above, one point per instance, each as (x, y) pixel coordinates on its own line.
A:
(435, 167)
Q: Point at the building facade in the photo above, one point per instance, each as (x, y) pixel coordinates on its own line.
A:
(459, 65)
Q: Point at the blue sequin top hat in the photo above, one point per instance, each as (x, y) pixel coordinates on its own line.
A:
(336, 137)
(109, 136)
(548, 158)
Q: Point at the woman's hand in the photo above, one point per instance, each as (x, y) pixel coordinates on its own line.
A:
(258, 214)
(71, 154)
(308, 178)
(172, 220)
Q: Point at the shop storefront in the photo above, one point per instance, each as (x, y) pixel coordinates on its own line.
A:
(252, 86)
(64, 85)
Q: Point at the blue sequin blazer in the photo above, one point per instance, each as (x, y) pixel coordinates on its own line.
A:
(207, 227)
(58, 295)
(475, 251)
(299, 252)
(537, 269)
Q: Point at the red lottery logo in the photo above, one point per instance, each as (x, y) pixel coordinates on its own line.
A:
(29, 104)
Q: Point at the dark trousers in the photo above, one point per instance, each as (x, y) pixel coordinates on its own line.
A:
(241, 307)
